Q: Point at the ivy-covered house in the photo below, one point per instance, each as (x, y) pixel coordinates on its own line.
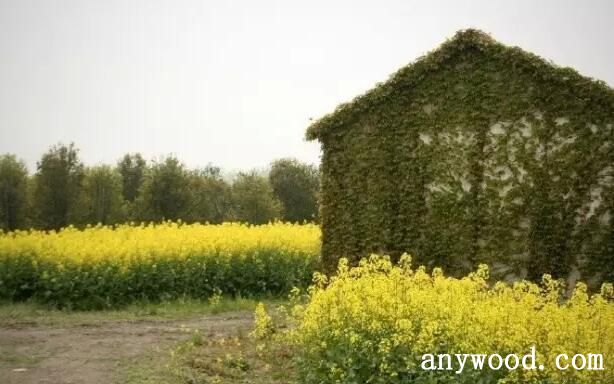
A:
(476, 152)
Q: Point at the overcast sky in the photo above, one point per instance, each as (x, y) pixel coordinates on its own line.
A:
(234, 83)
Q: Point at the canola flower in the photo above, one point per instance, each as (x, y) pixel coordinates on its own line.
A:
(263, 323)
(105, 267)
(374, 323)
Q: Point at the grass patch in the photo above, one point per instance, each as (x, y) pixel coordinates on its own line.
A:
(150, 369)
(10, 357)
(34, 314)
(237, 359)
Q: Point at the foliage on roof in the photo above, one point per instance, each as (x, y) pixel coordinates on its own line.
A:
(469, 39)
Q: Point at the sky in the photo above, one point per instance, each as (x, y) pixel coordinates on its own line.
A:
(235, 83)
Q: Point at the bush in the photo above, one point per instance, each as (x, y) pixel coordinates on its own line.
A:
(374, 323)
(253, 200)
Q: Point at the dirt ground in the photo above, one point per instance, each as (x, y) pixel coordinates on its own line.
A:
(96, 353)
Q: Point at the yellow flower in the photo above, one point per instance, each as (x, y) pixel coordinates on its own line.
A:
(379, 315)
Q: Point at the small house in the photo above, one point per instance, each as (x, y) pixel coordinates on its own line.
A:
(475, 153)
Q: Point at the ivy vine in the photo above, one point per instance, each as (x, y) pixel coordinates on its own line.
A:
(477, 152)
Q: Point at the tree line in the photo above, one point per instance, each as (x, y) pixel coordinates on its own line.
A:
(63, 191)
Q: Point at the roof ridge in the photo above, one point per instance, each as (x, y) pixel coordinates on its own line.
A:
(412, 72)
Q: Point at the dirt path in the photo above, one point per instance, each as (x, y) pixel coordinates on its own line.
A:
(97, 353)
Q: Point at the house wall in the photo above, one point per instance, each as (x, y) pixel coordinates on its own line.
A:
(482, 160)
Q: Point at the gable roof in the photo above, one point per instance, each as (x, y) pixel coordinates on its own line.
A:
(411, 74)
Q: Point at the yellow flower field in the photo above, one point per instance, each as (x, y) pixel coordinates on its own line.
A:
(375, 323)
(102, 266)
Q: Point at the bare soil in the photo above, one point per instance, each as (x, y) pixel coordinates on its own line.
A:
(96, 353)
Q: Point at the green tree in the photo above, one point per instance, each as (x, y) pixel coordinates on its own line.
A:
(210, 196)
(57, 186)
(132, 169)
(164, 194)
(13, 192)
(101, 196)
(296, 186)
(253, 200)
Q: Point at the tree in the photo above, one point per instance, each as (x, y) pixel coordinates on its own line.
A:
(57, 186)
(253, 199)
(13, 192)
(164, 194)
(132, 169)
(210, 196)
(296, 185)
(101, 196)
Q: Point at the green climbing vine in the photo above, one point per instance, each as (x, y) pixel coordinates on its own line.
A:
(477, 152)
